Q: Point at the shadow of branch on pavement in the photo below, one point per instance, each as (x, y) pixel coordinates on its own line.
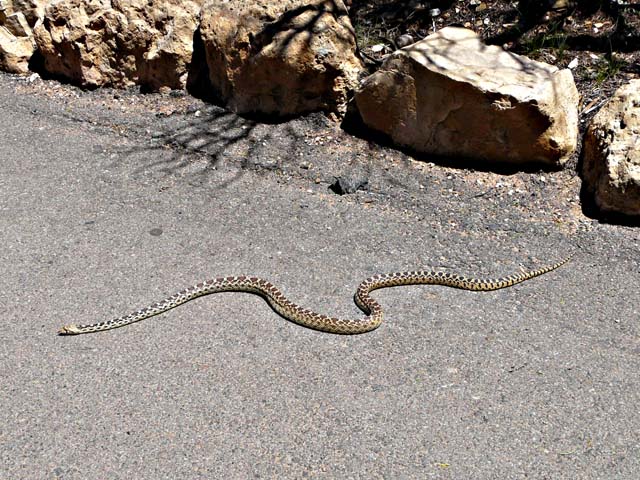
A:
(179, 141)
(194, 144)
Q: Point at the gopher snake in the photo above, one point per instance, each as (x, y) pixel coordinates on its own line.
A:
(308, 318)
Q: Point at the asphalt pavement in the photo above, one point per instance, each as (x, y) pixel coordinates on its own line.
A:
(540, 380)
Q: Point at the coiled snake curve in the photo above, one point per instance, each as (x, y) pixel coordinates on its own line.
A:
(308, 318)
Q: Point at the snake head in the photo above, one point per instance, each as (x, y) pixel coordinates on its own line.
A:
(69, 330)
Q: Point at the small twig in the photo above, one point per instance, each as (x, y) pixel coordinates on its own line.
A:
(591, 107)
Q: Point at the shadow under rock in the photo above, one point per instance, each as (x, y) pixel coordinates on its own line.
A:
(354, 125)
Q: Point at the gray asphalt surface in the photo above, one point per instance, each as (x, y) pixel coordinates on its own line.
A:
(536, 381)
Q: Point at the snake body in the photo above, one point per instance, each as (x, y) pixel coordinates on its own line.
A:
(295, 313)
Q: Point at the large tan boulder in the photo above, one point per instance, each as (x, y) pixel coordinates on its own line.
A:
(281, 58)
(451, 95)
(611, 153)
(118, 42)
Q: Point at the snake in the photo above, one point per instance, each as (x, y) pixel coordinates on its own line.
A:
(308, 318)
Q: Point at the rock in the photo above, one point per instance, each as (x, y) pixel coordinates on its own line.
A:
(17, 25)
(347, 185)
(17, 19)
(451, 95)
(16, 43)
(112, 42)
(33, 10)
(404, 40)
(611, 153)
(280, 58)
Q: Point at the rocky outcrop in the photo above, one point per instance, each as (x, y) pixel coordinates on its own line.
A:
(611, 153)
(119, 43)
(451, 95)
(280, 58)
(17, 18)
